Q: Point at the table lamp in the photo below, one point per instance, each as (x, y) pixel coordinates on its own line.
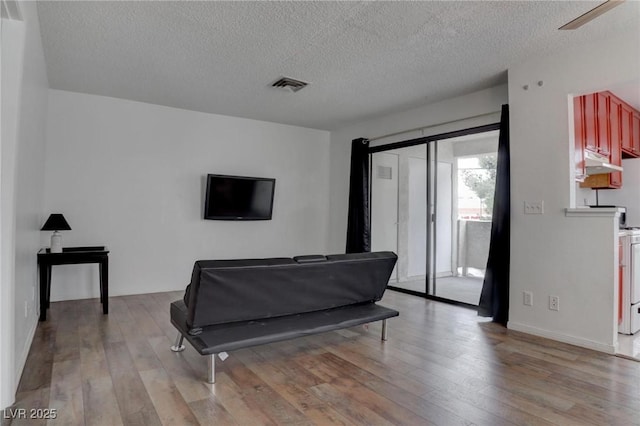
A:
(56, 222)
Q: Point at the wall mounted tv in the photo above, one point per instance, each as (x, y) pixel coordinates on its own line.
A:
(238, 198)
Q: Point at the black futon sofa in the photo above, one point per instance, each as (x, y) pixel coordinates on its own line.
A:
(234, 304)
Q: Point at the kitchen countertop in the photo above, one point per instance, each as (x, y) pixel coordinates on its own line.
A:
(626, 232)
(590, 211)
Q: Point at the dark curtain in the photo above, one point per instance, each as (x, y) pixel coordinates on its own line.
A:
(494, 299)
(358, 223)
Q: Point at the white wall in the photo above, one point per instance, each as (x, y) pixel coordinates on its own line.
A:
(628, 195)
(482, 102)
(551, 254)
(130, 176)
(24, 104)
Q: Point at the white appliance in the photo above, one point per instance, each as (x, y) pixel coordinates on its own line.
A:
(630, 288)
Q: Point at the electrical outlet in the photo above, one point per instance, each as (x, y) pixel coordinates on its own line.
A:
(533, 207)
(527, 298)
(554, 303)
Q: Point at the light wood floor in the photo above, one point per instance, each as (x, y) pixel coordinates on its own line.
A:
(441, 365)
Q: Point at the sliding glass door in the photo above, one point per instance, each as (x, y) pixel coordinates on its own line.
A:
(398, 212)
(431, 204)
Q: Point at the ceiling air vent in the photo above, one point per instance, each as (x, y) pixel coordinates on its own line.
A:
(290, 84)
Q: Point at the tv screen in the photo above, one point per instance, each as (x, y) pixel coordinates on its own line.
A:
(238, 198)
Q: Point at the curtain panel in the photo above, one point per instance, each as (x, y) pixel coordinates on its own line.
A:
(359, 220)
(494, 299)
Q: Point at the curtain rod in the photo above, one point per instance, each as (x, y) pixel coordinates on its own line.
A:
(433, 125)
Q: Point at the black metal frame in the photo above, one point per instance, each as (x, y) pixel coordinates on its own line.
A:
(430, 195)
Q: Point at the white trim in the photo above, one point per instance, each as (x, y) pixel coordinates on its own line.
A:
(591, 212)
(560, 337)
(22, 361)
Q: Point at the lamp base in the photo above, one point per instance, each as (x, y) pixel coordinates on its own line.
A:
(56, 242)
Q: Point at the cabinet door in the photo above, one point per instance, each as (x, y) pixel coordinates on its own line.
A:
(590, 120)
(625, 127)
(578, 122)
(635, 132)
(615, 147)
(602, 111)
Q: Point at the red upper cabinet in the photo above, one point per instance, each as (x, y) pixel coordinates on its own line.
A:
(615, 148)
(635, 132)
(590, 120)
(626, 113)
(602, 113)
(606, 125)
(630, 142)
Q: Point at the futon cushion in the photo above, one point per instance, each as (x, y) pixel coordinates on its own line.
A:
(245, 290)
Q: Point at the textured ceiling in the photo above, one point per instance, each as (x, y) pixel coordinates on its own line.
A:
(362, 59)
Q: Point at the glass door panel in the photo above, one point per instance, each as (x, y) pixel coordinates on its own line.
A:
(465, 184)
(431, 204)
(384, 204)
(398, 213)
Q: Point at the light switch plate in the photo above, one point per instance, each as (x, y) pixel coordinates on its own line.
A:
(533, 207)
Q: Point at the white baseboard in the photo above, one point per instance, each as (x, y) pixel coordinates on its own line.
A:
(561, 337)
(22, 361)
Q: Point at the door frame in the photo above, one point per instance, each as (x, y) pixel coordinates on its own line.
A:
(431, 196)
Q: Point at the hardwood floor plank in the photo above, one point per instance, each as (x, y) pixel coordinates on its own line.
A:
(442, 365)
(258, 395)
(135, 405)
(456, 403)
(39, 365)
(169, 404)
(100, 404)
(93, 360)
(230, 397)
(190, 383)
(66, 393)
(286, 385)
(143, 354)
(351, 390)
(393, 391)
(142, 323)
(379, 370)
(67, 345)
(533, 407)
(109, 329)
(30, 400)
(354, 411)
(211, 412)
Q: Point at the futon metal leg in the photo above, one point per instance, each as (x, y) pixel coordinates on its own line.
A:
(211, 368)
(384, 329)
(178, 347)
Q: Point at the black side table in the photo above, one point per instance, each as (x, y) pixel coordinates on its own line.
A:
(72, 255)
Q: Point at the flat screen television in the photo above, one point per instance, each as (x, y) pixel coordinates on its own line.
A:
(238, 198)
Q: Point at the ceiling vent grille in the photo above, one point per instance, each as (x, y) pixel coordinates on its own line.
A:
(290, 84)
